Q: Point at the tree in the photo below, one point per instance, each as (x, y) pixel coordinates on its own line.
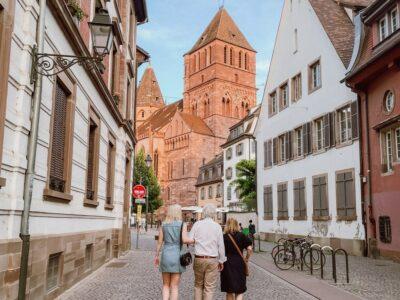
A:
(245, 183)
(145, 175)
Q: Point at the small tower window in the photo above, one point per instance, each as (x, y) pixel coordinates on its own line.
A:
(246, 61)
(142, 113)
(231, 56)
(240, 59)
(225, 55)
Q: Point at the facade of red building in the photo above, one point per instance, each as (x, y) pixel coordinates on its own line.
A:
(375, 76)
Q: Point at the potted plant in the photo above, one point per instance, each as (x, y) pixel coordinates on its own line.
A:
(76, 11)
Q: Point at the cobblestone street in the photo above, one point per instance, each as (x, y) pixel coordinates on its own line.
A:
(134, 276)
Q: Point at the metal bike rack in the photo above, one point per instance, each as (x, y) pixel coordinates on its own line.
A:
(334, 264)
(313, 246)
(323, 249)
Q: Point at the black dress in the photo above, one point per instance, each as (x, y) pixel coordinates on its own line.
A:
(233, 277)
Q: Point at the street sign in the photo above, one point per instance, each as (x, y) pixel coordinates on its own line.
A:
(139, 191)
(140, 201)
(139, 213)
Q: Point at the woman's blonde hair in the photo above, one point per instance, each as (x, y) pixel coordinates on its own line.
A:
(174, 213)
(232, 226)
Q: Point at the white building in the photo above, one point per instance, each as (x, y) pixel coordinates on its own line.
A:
(79, 216)
(240, 145)
(307, 134)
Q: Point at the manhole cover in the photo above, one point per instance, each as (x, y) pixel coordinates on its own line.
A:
(117, 265)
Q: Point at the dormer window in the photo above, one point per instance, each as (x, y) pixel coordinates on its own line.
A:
(394, 19)
(388, 24)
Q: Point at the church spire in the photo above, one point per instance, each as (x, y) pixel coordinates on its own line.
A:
(222, 27)
(149, 92)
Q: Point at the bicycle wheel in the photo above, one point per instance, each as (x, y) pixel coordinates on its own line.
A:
(284, 259)
(316, 260)
(276, 249)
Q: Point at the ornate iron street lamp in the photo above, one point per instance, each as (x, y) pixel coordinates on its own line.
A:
(101, 31)
(148, 161)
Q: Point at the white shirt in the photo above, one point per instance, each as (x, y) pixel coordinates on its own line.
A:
(209, 240)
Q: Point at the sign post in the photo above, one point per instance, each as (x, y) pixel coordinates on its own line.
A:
(138, 192)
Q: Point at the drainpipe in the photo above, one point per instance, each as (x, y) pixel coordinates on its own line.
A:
(31, 158)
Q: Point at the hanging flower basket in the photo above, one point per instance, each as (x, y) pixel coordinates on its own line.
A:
(76, 11)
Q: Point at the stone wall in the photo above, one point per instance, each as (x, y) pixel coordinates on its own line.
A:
(72, 264)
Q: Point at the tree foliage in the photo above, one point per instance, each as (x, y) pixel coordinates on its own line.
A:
(145, 175)
(245, 183)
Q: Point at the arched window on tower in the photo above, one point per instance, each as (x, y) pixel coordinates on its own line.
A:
(240, 59)
(231, 56)
(246, 61)
(225, 55)
(156, 162)
(210, 54)
(206, 57)
(198, 61)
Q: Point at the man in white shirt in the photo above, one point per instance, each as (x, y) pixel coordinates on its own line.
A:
(209, 252)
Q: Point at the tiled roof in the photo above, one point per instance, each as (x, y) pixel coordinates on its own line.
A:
(222, 27)
(337, 25)
(355, 3)
(160, 118)
(196, 124)
(149, 92)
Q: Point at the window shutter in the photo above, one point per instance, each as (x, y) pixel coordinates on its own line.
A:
(305, 140)
(275, 151)
(340, 194)
(269, 152)
(265, 154)
(309, 137)
(324, 196)
(270, 106)
(354, 120)
(332, 126)
(316, 197)
(350, 194)
(265, 202)
(296, 198)
(302, 200)
(287, 145)
(290, 148)
(285, 200)
(57, 181)
(327, 131)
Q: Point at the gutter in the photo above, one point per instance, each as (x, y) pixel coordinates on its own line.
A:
(31, 158)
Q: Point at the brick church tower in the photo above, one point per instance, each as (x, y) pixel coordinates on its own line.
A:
(220, 76)
(149, 97)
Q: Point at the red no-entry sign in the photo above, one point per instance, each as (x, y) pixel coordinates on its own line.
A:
(139, 191)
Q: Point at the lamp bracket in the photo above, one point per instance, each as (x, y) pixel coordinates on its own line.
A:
(49, 65)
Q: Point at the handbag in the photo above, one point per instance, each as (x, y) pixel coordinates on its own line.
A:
(186, 258)
(246, 265)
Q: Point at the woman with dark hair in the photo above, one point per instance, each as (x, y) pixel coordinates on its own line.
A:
(233, 275)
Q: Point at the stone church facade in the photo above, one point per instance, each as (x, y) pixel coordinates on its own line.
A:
(219, 90)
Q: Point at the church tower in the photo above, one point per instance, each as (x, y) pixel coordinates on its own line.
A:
(149, 97)
(220, 76)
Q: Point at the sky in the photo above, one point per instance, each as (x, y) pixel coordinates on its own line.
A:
(175, 25)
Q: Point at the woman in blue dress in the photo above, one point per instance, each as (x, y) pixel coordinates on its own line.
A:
(169, 241)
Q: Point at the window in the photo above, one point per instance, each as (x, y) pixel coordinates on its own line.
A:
(246, 61)
(183, 166)
(389, 101)
(229, 193)
(53, 267)
(231, 56)
(88, 257)
(128, 99)
(268, 153)
(398, 143)
(110, 170)
(282, 201)
(202, 193)
(268, 200)
(296, 88)
(225, 54)
(345, 195)
(61, 140)
(387, 152)
(295, 41)
(273, 107)
(240, 59)
(114, 74)
(383, 30)
(385, 229)
(344, 123)
(229, 153)
(239, 149)
(284, 96)
(210, 192)
(314, 76)
(319, 134)
(228, 173)
(320, 196)
(142, 113)
(299, 199)
(394, 18)
(298, 142)
(93, 157)
(219, 190)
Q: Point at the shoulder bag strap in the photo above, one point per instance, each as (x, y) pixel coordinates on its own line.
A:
(180, 236)
(237, 247)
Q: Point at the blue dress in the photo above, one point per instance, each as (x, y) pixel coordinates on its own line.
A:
(169, 261)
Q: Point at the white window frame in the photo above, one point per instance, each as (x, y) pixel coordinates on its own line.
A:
(229, 153)
(316, 75)
(397, 136)
(394, 18)
(298, 140)
(282, 148)
(389, 150)
(345, 134)
(383, 35)
(284, 90)
(319, 138)
(274, 103)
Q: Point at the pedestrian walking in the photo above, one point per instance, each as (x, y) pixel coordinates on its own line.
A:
(252, 232)
(233, 275)
(209, 254)
(170, 234)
